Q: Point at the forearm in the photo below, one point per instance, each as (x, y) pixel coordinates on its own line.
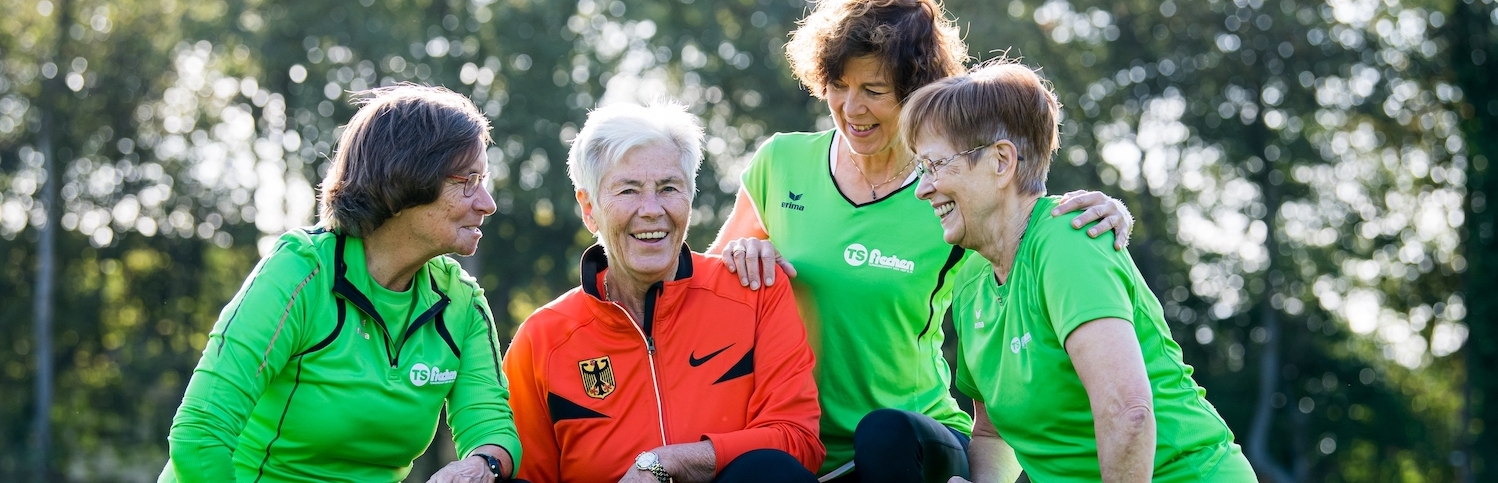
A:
(990, 460)
(688, 462)
(1126, 445)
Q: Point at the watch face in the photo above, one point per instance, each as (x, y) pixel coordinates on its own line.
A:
(645, 460)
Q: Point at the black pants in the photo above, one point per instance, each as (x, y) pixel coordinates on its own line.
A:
(891, 445)
(765, 465)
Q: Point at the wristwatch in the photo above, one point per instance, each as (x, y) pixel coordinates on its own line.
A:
(493, 464)
(648, 461)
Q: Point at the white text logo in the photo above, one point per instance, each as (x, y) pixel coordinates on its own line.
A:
(1018, 343)
(422, 375)
(857, 255)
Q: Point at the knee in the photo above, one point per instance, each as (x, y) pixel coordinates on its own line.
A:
(765, 465)
(883, 425)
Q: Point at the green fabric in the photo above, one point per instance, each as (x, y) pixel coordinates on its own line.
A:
(872, 284)
(1012, 358)
(259, 409)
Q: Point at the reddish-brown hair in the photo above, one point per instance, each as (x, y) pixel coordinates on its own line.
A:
(912, 40)
(1000, 99)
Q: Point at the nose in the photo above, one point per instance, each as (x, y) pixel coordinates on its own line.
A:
(924, 187)
(483, 202)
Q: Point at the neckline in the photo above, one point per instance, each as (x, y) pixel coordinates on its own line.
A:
(832, 176)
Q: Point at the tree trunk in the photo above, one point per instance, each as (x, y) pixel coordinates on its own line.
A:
(46, 256)
(1474, 60)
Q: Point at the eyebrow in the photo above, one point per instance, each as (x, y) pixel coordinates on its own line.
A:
(635, 182)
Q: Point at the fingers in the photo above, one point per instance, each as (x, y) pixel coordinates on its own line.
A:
(790, 270)
(1077, 200)
(1101, 227)
(1089, 215)
(752, 262)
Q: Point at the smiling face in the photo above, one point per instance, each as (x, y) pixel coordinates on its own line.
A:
(451, 223)
(864, 107)
(965, 192)
(640, 213)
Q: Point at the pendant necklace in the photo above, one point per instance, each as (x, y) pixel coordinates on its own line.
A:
(874, 187)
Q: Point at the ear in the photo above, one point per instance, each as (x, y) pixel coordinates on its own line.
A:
(1004, 155)
(587, 204)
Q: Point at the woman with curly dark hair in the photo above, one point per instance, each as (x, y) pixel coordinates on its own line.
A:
(871, 273)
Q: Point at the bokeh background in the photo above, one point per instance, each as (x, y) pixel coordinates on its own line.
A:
(1309, 180)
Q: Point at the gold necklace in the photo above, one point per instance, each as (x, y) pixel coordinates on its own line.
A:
(874, 187)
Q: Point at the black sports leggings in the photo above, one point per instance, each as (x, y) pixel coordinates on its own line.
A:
(896, 446)
(765, 465)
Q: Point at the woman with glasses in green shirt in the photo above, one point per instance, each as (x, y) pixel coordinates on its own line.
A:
(1062, 346)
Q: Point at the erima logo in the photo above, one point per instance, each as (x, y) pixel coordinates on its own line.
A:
(790, 204)
(857, 255)
(422, 375)
(1018, 343)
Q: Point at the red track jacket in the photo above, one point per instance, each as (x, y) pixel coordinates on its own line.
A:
(729, 365)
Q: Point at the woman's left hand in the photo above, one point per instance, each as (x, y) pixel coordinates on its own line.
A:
(472, 469)
(1098, 206)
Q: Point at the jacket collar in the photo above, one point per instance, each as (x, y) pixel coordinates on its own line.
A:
(422, 281)
(595, 261)
(661, 299)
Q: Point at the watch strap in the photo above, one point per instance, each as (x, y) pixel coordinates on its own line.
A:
(494, 467)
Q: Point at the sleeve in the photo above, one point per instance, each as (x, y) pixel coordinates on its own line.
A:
(478, 407)
(532, 418)
(253, 339)
(961, 294)
(756, 177)
(1083, 279)
(783, 407)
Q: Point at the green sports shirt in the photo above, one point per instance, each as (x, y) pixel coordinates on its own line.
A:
(873, 281)
(1012, 357)
(314, 372)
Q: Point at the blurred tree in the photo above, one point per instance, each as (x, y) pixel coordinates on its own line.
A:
(1296, 168)
(1473, 37)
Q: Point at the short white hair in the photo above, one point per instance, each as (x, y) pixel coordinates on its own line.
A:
(611, 131)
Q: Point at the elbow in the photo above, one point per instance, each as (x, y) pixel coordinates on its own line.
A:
(1134, 415)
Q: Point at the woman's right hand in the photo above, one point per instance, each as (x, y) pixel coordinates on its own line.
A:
(754, 260)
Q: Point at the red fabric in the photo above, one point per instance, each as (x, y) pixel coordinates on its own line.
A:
(774, 406)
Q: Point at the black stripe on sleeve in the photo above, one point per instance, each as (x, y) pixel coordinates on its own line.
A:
(941, 279)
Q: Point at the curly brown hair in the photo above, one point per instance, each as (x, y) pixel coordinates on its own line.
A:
(912, 39)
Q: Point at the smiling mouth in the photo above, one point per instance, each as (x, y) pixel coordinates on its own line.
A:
(862, 128)
(944, 208)
(649, 235)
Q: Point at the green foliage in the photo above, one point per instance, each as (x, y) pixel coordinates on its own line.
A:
(1308, 179)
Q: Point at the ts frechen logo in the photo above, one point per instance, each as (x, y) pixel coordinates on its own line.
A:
(791, 205)
(598, 377)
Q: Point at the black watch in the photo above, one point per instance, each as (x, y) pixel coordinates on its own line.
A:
(494, 468)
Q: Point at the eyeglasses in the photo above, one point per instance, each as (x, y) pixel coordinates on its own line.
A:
(925, 165)
(471, 183)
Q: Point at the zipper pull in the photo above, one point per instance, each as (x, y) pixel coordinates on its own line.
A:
(650, 345)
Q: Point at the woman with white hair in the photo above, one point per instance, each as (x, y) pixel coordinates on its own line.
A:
(660, 366)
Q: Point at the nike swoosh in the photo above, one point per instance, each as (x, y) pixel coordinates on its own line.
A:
(694, 361)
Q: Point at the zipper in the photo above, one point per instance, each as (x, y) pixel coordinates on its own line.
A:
(655, 385)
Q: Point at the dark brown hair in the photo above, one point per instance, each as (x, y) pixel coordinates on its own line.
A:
(397, 152)
(1000, 99)
(911, 39)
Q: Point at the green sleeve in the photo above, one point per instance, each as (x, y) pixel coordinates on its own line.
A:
(756, 177)
(253, 339)
(478, 406)
(1082, 278)
(962, 296)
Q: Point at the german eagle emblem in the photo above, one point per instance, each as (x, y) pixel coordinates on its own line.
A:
(598, 377)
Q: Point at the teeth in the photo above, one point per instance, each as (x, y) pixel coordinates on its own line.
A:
(650, 235)
(943, 209)
(862, 127)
